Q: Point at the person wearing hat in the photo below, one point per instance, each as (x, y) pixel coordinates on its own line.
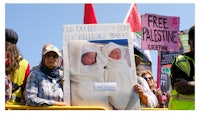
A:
(17, 67)
(44, 85)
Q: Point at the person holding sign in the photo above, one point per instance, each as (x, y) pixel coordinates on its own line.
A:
(183, 78)
(118, 71)
(147, 75)
(147, 98)
(86, 68)
(44, 86)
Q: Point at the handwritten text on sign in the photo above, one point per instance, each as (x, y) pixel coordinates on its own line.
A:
(96, 32)
(160, 32)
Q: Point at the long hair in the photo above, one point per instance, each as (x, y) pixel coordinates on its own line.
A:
(12, 54)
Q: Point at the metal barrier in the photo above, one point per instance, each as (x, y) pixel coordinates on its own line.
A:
(24, 107)
(153, 108)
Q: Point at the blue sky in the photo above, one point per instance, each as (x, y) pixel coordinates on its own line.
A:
(38, 24)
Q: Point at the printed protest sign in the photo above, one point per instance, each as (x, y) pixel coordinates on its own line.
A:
(165, 78)
(164, 63)
(160, 32)
(93, 75)
(184, 41)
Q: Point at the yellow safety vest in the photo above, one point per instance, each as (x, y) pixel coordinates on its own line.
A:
(18, 80)
(179, 101)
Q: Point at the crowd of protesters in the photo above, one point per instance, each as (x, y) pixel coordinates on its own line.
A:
(43, 84)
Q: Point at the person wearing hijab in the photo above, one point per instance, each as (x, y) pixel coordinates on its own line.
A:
(44, 85)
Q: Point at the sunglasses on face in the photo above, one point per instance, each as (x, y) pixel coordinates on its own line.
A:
(51, 55)
(148, 78)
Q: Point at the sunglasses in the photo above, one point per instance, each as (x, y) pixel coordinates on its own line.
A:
(51, 55)
(148, 78)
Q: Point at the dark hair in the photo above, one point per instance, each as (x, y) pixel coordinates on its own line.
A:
(192, 33)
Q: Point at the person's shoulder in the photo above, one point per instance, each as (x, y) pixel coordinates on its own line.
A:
(22, 59)
(189, 54)
(35, 68)
(24, 64)
(35, 72)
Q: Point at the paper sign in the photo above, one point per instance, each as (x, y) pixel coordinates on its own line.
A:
(160, 32)
(105, 86)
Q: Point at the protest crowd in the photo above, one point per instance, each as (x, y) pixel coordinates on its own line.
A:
(104, 73)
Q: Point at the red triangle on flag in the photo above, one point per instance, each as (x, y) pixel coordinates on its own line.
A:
(133, 18)
(89, 15)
